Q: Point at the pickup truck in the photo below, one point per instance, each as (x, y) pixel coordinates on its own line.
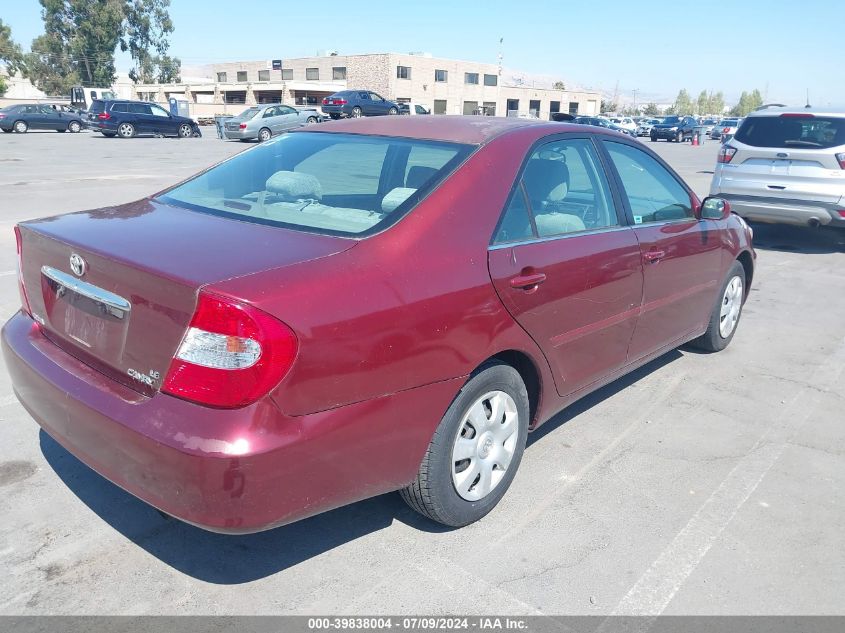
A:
(674, 128)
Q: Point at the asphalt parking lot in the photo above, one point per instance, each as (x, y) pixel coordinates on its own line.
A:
(700, 484)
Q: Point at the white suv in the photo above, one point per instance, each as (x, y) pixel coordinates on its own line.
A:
(785, 165)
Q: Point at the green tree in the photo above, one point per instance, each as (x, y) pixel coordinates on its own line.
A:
(559, 85)
(10, 52)
(703, 103)
(159, 69)
(3, 85)
(755, 100)
(717, 103)
(651, 109)
(683, 104)
(81, 37)
(607, 106)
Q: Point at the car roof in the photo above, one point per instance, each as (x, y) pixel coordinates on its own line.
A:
(836, 111)
(474, 130)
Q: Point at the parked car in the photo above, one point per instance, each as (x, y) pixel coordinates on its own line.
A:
(602, 122)
(358, 103)
(644, 126)
(674, 128)
(413, 108)
(347, 310)
(625, 122)
(33, 116)
(127, 119)
(725, 130)
(265, 121)
(786, 165)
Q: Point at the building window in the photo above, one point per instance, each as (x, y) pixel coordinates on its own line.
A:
(234, 96)
(573, 107)
(403, 72)
(440, 106)
(263, 75)
(534, 107)
(241, 76)
(312, 74)
(221, 78)
(287, 74)
(513, 107)
(339, 73)
(491, 80)
(554, 106)
(441, 76)
(470, 107)
(471, 78)
(489, 108)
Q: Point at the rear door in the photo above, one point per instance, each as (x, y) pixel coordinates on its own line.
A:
(566, 265)
(50, 119)
(681, 255)
(141, 117)
(288, 118)
(787, 157)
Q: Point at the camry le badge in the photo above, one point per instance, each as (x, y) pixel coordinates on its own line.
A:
(78, 265)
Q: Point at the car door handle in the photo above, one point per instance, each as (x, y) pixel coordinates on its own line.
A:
(652, 257)
(527, 281)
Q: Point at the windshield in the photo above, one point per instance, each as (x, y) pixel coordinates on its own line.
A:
(338, 184)
(792, 131)
(671, 120)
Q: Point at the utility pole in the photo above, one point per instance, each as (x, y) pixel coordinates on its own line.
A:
(635, 91)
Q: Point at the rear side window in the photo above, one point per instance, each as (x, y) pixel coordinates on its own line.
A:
(798, 131)
(653, 192)
(139, 108)
(337, 184)
(120, 107)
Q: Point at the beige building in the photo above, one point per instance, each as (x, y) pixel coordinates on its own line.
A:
(446, 86)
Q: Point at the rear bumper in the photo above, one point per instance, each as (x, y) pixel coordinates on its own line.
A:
(234, 471)
(784, 211)
(240, 134)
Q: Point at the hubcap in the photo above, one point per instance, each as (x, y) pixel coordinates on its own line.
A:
(20, 127)
(186, 131)
(484, 445)
(356, 113)
(264, 135)
(731, 306)
(125, 130)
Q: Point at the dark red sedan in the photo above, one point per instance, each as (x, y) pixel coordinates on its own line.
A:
(368, 306)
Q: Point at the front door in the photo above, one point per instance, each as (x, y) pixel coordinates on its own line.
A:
(379, 105)
(566, 266)
(679, 251)
(161, 122)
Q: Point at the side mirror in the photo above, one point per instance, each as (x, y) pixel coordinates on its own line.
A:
(714, 208)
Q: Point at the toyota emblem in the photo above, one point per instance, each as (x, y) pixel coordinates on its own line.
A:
(78, 265)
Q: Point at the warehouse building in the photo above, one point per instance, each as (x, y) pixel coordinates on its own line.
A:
(445, 86)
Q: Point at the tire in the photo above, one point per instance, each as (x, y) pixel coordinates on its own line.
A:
(653, 138)
(185, 131)
(680, 137)
(20, 127)
(311, 120)
(108, 134)
(74, 127)
(357, 112)
(726, 313)
(435, 491)
(334, 116)
(126, 130)
(393, 111)
(264, 134)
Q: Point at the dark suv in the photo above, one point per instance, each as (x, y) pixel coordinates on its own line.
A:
(358, 103)
(674, 128)
(131, 118)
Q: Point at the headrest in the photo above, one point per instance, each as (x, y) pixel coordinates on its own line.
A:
(395, 197)
(293, 185)
(546, 179)
(418, 176)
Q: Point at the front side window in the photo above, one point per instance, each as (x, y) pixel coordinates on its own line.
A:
(403, 72)
(158, 111)
(312, 74)
(270, 112)
(563, 190)
(327, 183)
(653, 193)
(470, 78)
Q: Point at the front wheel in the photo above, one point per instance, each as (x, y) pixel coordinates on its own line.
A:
(264, 134)
(680, 138)
(726, 312)
(393, 111)
(476, 449)
(357, 112)
(185, 131)
(311, 120)
(74, 127)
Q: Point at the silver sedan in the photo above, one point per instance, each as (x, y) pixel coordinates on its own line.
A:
(264, 121)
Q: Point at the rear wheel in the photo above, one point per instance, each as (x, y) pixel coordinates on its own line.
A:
(357, 112)
(726, 312)
(7, 131)
(264, 134)
(334, 116)
(126, 130)
(21, 127)
(74, 127)
(476, 449)
(108, 134)
(185, 131)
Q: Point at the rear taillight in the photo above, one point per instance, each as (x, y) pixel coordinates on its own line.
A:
(104, 116)
(326, 101)
(841, 213)
(21, 287)
(841, 159)
(339, 101)
(232, 355)
(725, 130)
(242, 126)
(726, 154)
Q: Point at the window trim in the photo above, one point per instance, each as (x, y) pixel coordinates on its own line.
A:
(495, 80)
(399, 67)
(623, 195)
(445, 75)
(471, 83)
(335, 72)
(317, 78)
(612, 185)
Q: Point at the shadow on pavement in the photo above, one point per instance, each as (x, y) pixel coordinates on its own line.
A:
(798, 239)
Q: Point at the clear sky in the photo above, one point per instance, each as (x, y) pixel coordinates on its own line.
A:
(783, 48)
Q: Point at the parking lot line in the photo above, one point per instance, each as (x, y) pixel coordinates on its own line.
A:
(654, 590)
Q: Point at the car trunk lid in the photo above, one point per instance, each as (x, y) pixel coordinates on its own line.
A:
(142, 266)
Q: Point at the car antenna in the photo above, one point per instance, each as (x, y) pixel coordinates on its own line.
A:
(808, 99)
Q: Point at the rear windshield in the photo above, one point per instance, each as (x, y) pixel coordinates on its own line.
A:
(729, 122)
(97, 106)
(339, 184)
(779, 131)
(247, 114)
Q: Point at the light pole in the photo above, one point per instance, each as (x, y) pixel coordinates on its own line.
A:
(635, 91)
